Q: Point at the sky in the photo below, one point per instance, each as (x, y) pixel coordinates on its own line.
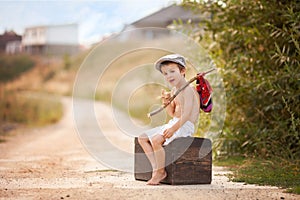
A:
(95, 19)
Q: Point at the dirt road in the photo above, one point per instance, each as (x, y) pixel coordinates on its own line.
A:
(51, 163)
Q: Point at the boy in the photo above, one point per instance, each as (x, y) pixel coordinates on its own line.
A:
(184, 109)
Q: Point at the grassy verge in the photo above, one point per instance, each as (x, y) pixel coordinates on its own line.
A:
(281, 173)
(24, 108)
(31, 110)
(11, 66)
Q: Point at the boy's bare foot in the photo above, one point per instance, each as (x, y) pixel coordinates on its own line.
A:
(157, 177)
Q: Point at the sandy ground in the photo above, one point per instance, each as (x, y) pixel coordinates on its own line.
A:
(51, 163)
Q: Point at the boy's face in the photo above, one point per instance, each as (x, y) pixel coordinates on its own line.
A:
(172, 73)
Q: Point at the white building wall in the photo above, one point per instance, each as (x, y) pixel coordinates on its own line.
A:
(62, 35)
(34, 36)
(51, 35)
(13, 47)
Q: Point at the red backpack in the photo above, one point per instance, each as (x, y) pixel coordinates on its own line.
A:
(205, 93)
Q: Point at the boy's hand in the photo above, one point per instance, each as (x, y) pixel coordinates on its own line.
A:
(168, 133)
(165, 97)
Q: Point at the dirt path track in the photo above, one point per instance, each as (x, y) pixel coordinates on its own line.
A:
(51, 163)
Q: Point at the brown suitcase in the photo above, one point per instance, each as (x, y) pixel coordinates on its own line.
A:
(188, 160)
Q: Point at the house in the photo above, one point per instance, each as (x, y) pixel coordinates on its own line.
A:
(9, 37)
(13, 47)
(51, 40)
(162, 20)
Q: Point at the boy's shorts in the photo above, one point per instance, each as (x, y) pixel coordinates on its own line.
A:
(186, 130)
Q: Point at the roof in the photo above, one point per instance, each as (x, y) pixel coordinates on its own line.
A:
(49, 26)
(166, 16)
(8, 36)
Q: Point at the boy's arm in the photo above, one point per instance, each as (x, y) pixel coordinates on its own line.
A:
(170, 109)
(187, 104)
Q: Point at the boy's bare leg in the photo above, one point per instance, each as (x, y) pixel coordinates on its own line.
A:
(147, 147)
(159, 153)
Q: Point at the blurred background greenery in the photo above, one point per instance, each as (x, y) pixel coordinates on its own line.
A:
(256, 44)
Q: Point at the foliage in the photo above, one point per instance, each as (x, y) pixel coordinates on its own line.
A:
(28, 109)
(256, 44)
(12, 66)
(67, 61)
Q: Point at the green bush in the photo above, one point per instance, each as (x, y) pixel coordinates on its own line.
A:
(11, 66)
(256, 44)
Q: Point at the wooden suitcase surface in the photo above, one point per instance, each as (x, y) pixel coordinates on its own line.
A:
(188, 160)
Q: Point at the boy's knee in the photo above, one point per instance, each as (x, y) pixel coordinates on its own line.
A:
(157, 141)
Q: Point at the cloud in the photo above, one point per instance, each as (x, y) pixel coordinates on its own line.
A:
(88, 22)
(112, 17)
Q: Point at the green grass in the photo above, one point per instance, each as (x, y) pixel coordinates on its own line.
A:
(33, 110)
(11, 66)
(24, 108)
(281, 173)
